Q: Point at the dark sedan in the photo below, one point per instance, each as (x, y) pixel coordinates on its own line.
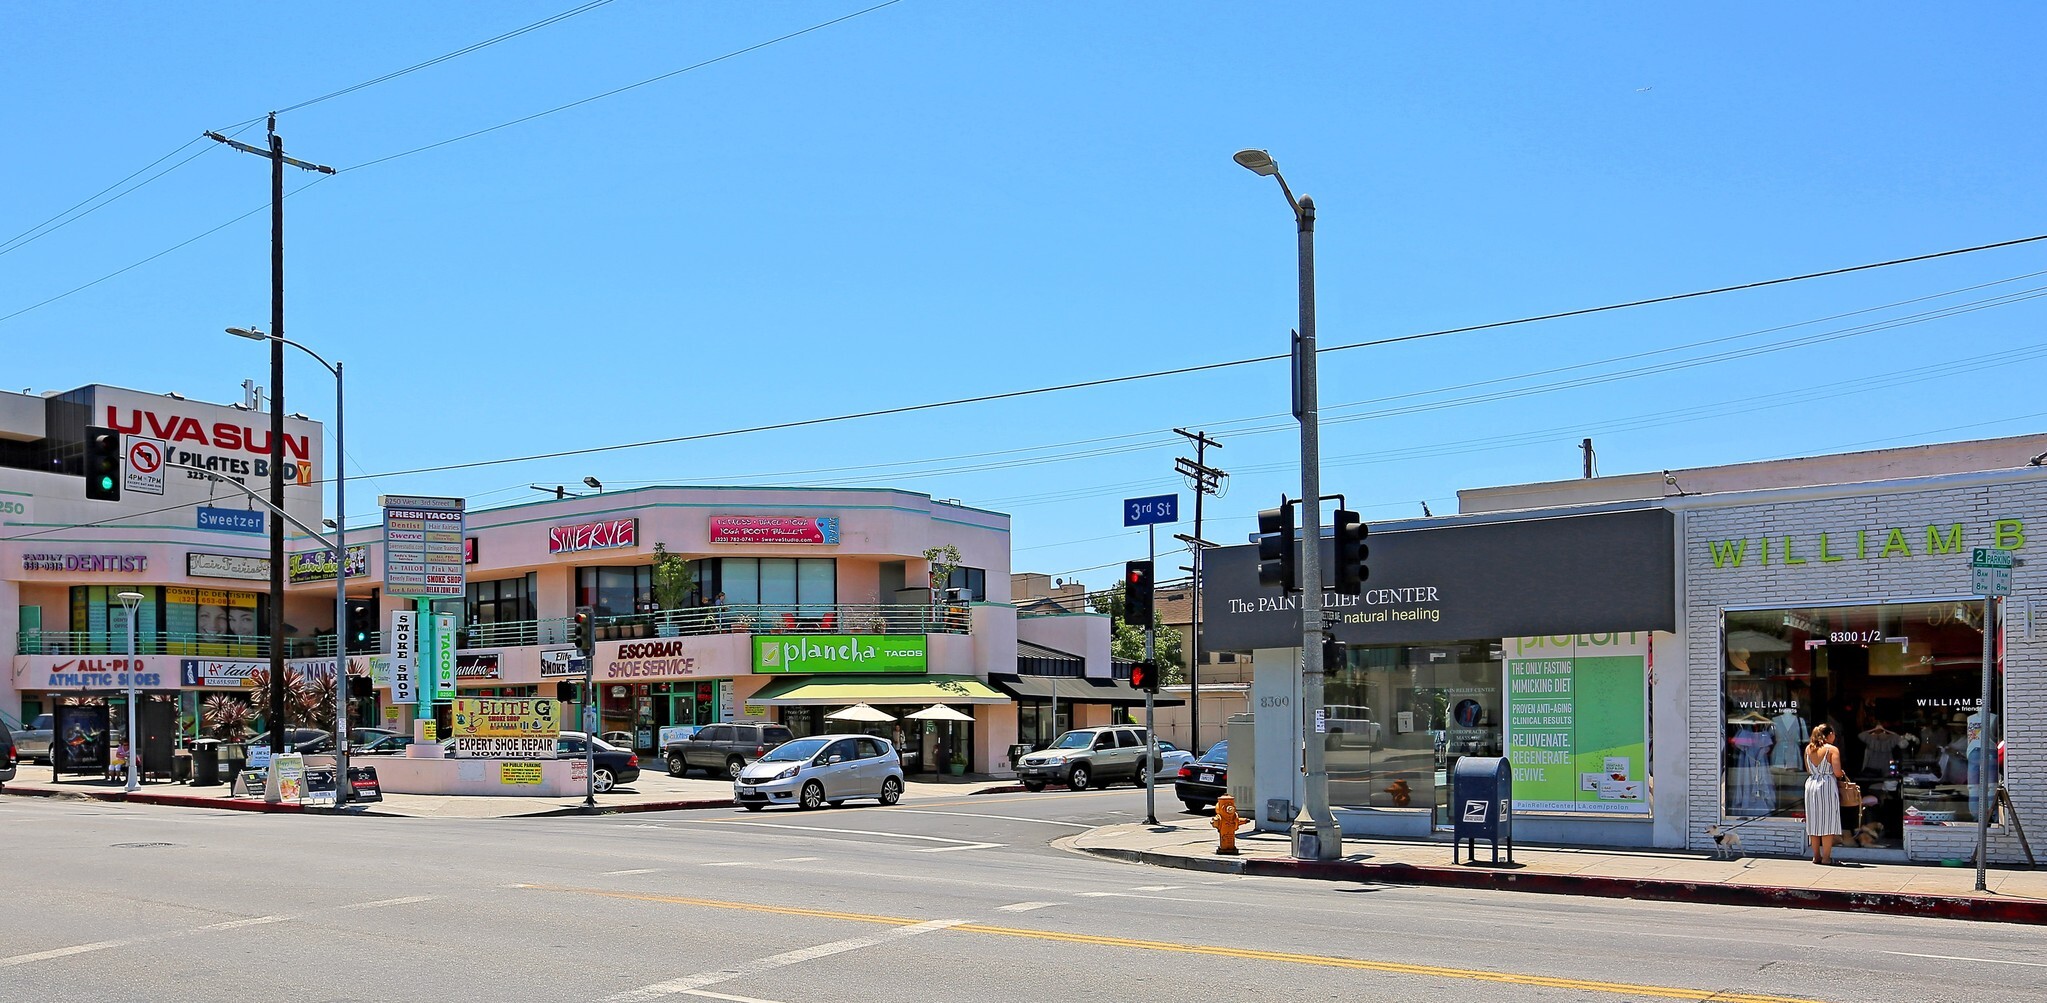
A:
(1205, 780)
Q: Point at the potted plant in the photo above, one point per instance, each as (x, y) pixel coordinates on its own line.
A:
(674, 581)
(958, 766)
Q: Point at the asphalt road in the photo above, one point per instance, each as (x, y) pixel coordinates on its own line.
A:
(944, 898)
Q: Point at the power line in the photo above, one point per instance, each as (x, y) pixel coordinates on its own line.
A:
(621, 90)
(23, 238)
(437, 60)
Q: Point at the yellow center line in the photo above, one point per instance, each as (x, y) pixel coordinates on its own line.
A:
(1247, 954)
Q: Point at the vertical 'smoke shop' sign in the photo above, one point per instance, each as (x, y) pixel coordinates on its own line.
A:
(1578, 722)
(404, 656)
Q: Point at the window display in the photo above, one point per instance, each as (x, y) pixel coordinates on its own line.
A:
(1900, 684)
(1398, 717)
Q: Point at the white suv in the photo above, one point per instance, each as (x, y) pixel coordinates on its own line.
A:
(1087, 756)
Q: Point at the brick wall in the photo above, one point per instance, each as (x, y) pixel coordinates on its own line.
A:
(1978, 504)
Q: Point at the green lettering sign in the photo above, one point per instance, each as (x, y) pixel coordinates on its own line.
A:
(839, 653)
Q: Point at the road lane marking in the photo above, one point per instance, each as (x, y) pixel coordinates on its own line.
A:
(60, 952)
(631, 870)
(236, 924)
(724, 863)
(959, 844)
(796, 860)
(381, 903)
(691, 983)
(1985, 961)
(1005, 818)
(1313, 960)
(1024, 906)
(729, 998)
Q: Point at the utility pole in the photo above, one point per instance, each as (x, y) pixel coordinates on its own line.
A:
(277, 161)
(1205, 480)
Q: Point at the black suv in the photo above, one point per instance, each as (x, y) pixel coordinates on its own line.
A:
(722, 750)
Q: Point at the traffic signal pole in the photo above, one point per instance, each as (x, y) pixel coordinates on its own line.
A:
(1315, 820)
(1151, 735)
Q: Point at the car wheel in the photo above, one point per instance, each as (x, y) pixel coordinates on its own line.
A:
(753, 807)
(891, 791)
(1144, 770)
(813, 796)
(676, 767)
(1034, 786)
(601, 781)
(733, 766)
(1077, 780)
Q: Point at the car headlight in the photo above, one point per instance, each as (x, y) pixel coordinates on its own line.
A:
(788, 774)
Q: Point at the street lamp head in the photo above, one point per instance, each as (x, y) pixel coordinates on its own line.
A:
(1257, 162)
(248, 332)
(129, 599)
(593, 482)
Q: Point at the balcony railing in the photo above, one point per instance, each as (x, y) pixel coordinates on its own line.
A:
(761, 618)
(803, 618)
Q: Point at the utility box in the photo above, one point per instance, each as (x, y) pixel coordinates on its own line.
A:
(1242, 758)
(1481, 806)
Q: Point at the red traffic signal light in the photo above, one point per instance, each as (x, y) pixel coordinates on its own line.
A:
(1137, 594)
(1144, 677)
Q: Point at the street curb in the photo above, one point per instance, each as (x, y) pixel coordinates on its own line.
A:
(623, 809)
(172, 800)
(2022, 911)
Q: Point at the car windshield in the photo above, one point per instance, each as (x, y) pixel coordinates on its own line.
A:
(1075, 740)
(790, 752)
(1217, 754)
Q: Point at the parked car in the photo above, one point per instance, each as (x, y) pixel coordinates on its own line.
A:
(305, 741)
(1351, 726)
(823, 770)
(622, 739)
(388, 745)
(361, 738)
(1202, 783)
(1171, 758)
(1086, 756)
(33, 742)
(724, 749)
(7, 757)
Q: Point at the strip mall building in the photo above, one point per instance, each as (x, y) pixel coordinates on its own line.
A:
(805, 601)
(1651, 652)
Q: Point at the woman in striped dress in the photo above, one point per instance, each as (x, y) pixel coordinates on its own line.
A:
(1822, 794)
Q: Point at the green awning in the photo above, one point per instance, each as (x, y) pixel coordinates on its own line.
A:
(841, 691)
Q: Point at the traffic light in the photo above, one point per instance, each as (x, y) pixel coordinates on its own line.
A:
(1276, 548)
(102, 464)
(362, 618)
(1334, 653)
(586, 631)
(1144, 677)
(1137, 593)
(565, 691)
(360, 688)
(1350, 553)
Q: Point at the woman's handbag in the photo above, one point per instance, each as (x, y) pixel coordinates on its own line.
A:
(1851, 794)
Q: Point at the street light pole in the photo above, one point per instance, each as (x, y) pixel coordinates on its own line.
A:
(1315, 823)
(129, 601)
(277, 343)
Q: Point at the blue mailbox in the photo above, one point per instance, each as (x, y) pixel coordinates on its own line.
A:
(1481, 805)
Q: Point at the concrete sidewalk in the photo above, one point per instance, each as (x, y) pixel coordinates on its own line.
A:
(2015, 896)
(652, 791)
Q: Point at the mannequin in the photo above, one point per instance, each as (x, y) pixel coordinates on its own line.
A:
(1788, 729)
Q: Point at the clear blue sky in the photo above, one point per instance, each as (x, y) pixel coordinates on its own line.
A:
(938, 200)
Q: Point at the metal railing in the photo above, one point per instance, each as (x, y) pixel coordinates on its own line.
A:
(800, 618)
(79, 642)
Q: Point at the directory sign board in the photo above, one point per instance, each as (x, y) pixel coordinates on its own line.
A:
(423, 547)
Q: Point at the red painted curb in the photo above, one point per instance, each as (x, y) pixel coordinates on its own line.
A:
(1945, 907)
(147, 797)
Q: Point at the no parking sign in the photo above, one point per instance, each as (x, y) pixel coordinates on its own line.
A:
(143, 463)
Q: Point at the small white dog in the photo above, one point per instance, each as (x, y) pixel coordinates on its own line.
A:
(1726, 844)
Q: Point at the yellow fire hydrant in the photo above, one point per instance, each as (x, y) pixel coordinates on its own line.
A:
(1226, 823)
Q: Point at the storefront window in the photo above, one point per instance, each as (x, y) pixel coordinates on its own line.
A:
(615, 591)
(1901, 686)
(1399, 717)
(972, 583)
(508, 600)
(778, 581)
(98, 615)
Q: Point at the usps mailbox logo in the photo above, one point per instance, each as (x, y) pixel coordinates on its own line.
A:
(1475, 811)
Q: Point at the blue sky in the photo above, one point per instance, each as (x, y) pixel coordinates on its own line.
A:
(940, 200)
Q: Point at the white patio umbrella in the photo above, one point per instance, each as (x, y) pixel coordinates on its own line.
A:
(939, 712)
(860, 712)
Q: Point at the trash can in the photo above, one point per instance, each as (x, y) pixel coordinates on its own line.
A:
(181, 766)
(1017, 752)
(205, 762)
